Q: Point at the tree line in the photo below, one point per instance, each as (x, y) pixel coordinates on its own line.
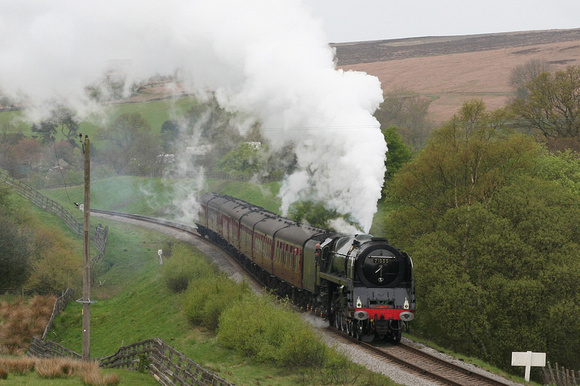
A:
(489, 209)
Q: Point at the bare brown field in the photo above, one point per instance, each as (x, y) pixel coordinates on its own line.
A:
(451, 79)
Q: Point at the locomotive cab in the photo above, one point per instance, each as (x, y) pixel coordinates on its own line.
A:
(374, 290)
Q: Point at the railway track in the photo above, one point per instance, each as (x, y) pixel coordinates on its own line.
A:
(418, 361)
(424, 363)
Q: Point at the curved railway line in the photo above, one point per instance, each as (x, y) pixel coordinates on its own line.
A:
(421, 362)
(418, 361)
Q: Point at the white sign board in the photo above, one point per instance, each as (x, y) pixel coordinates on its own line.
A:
(529, 359)
(160, 253)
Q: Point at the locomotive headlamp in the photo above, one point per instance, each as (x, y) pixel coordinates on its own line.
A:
(407, 316)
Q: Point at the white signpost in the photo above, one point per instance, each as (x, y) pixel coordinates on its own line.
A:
(160, 253)
(529, 359)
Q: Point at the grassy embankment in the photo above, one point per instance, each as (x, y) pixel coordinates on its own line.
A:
(134, 304)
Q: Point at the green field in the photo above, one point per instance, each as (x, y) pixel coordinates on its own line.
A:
(155, 112)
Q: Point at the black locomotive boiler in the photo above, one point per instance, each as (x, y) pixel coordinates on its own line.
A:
(360, 283)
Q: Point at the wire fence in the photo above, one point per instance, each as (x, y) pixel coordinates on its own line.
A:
(560, 376)
(99, 234)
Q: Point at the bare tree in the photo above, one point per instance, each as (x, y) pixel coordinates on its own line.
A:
(524, 73)
(408, 111)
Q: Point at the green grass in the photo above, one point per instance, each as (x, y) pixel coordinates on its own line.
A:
(155, 112)
(133, 304)
(153, 196)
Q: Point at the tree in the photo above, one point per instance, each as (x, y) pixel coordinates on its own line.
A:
(14, 262)
(408, 111)
(244, 160)
(210, 125)
(523, 74)
(68, 122)
(552, 106)
(55, 265)
(313, 213)
(45, 130)
(398, 153)
(27, 152)
(492, 222)
(465, 162)
(130, 145)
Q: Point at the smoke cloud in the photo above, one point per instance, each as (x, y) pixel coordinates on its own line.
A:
(265, 58)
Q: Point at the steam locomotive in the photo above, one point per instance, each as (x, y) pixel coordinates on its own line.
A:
(360, 283)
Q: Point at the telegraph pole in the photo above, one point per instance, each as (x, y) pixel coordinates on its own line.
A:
(86, 299)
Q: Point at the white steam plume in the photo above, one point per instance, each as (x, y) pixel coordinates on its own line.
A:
(269, 58)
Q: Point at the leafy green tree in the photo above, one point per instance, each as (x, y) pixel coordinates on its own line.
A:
(398, 153)
(563, 167)
(45, 131)
(492, 222)
(62, 117)
(55, 264)
(552, 106)
(68, 122)
(244, 160)
(313, 213)
(465, 162)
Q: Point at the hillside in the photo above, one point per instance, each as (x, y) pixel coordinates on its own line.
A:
(452, 69)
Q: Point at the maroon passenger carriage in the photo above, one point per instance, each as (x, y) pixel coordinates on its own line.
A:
(363, 285)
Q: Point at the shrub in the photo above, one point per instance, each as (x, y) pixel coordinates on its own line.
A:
(255, 327)
(185, 264)
(206, 299)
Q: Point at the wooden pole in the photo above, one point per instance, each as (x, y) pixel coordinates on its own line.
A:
(87, 255)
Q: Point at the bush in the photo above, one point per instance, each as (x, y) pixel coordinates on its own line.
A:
(255, 327)
(207, 298)
(185, 264)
